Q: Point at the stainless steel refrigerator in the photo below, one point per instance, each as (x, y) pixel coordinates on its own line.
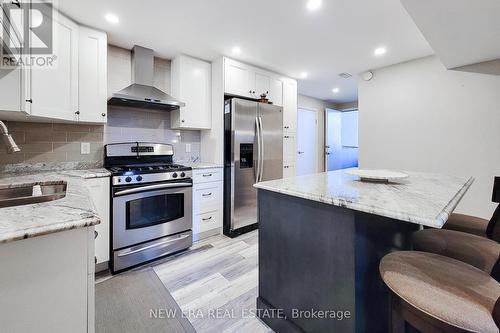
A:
(253, 152)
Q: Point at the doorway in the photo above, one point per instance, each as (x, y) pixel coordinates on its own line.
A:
(341, 139)
(307, 141)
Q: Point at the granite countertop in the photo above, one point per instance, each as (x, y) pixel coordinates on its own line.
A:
(75, 210)
(203, 165)
(422, 198)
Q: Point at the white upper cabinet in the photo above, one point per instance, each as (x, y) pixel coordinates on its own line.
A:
(192, 84)
(71, 85)
(272, 87)
(262, 84)
(289, 105)
(239, 79)
(54, 91)
(12, 80)
(247, 81)
(92, 75)
(276, 91)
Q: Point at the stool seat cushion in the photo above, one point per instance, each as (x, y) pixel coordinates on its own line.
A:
(477, 251)
(449, 290)
(467, 223)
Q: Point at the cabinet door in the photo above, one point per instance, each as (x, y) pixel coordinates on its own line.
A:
(288, 170)
(11, 89)
(289, 105)
(196, 91)
(262, 84)
(12, 79)
(92, 73)
(99, 192)
(54, 91)
(272, 87)
(289, 147)
(239, 79)
(276, 91)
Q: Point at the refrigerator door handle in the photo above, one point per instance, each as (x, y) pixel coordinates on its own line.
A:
(261, 150)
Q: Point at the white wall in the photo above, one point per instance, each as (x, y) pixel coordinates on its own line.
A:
(319, 106)
(420, 116)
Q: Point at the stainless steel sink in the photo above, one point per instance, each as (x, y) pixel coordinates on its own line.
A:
(31, 194)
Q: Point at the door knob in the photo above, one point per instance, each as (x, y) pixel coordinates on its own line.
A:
(327, 153)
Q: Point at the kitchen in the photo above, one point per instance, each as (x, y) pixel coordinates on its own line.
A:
(164, 168)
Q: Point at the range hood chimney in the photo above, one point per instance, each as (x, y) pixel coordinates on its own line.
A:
(141, 93)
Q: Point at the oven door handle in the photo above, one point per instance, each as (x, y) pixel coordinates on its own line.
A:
(160, 244)
(151, 188)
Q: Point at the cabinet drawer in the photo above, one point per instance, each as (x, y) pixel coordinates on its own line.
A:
(207, 221)
(207, 197)
(207, 175)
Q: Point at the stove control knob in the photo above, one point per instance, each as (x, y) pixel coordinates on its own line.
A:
(183, 174)
(138, 178)
(174, 175)
(128, 179)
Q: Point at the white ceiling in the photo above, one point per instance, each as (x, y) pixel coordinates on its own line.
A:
(280, 35)
(470, 33)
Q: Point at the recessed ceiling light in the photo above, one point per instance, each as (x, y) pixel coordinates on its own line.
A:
(313, 5)
(112, 18)
(236, 50)
(304, 75)
(380, 51)
(335, 90)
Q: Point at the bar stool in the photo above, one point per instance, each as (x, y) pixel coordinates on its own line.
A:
(476, 225)
(480, 252)
(433, 293)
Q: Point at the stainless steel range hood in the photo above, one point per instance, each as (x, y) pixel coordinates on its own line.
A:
(141, 93)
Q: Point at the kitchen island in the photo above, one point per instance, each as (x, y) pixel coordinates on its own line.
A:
(321, 238)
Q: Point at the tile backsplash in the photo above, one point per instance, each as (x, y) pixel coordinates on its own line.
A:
(46, 145)
(131, 124)
(53, 142)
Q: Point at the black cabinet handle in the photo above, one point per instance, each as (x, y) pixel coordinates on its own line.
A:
(207, 175)
(29, 100)
(77, 112)
(207, 194)
(103, 114)
(207, 218)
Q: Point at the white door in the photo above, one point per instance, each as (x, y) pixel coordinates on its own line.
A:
(307, 134)
(54, 91)
(333, 140)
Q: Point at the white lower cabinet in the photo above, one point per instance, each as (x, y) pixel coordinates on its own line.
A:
(46, 284)
(289, 169)
(207, 202)
(99, 193)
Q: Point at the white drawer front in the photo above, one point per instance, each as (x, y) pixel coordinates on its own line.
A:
(207, 197)
(207, 175)
(207, 221)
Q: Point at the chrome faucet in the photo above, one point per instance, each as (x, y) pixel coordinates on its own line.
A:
(8, 140)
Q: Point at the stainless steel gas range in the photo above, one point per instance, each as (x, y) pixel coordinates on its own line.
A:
(151, 204)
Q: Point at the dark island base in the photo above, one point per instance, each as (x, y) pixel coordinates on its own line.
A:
(320, 257)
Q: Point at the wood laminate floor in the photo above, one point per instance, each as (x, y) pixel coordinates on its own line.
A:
(215, 284)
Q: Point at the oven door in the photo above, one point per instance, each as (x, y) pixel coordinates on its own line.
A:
(146, 212)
